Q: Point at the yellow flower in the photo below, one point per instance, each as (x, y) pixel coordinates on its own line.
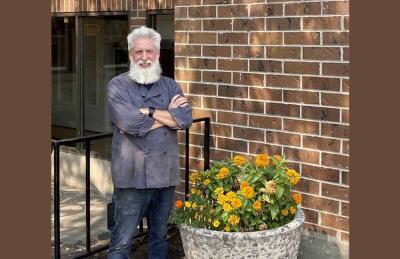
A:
(277, 158)
(223, 173)
(227, 229)
(297, 198)
(206, 181)
(218, 190)
(239, 160)
(244, 184)
(193, 190)
(294, 177)
(257, 205)
(194, 205)
(194, 176)
(227, 207)
(188, 204)
(236, 203)
(262, 160)
(292, 210)
(216, 223)
(234, 219)
(270, 187)
(222, 199)
(248, 192)
(285, 212)
(231, 195)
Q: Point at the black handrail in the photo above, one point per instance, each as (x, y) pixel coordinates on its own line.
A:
(87, 139)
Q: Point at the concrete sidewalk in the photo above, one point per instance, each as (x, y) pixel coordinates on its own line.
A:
(73, 232)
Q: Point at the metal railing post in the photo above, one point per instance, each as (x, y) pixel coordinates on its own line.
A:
(87, 146)
(56, 195)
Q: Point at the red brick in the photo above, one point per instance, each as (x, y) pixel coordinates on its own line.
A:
(335, 130)
(248, 134)
(216, 154)
(265, 122)
(195, 101)
(181, 62)
(180, 12)
(320, 173)
(301, 97)
(232, 118)
(308, 127)
(336, 69)
(302, 155)
(232, 64)
(202, 63)
(346, 54)
(321, 23)
(265, 94)
(265, 65)
(232, 10)
(282, 138)
(203, 37)
(248, 51)
(287, 81)
(336, 38)
(232, 38)
(345, 85)
(186, 2)
(187, 50)
(248, 79)
(263, 38)
(282, 109)
(262, 148)
(346, 22)
(335, 160)
(320, 203)
(345, 116)
(320, 113)
(216, 76)
(181, 37)
(217, 103)
(302, 38)
(248, 106)
(345, 207)
(346, 147)
(325, 144)
(221, 130)
(307, 186)
(303, 9)
(336, 7)
(252, 24)
(301, 67)
(283, 52)
(187, 75)
(217, 25)
(321, 83)
(345, 178)
(335, 191)
(202, 11)
(339, 100)
(232, 144)
(217, 51)
(187, 25)
(310, 215)
(200, 113)
(334, 221)
(232, 91)
(286, 24)
(213, 2)
(266, 10)
(344, 237)
(324, 53)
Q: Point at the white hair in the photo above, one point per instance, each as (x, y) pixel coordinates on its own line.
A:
(143, 32)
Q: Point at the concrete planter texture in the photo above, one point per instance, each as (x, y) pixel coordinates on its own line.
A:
(282, 242)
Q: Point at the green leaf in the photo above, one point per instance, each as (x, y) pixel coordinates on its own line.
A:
(279, 191)
(274, 211)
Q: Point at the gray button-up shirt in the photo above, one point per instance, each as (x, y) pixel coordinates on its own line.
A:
(142, 158)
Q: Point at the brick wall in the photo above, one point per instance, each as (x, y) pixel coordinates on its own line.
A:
(273, 75)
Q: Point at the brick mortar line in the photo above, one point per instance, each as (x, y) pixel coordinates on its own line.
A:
(258, 17)
(301, 59)
(334, 199)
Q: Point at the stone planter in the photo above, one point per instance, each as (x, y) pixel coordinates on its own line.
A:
(282, 242)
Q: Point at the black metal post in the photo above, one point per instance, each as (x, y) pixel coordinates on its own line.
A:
(186, 163)
(87, 195)
(56, 180)
(206, 151)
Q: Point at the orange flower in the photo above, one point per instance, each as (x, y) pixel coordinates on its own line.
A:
(277, 158)
(257, 205)
(248, 192)
(262, 160)
(178, 204)
(297, 198)
(244, 184)
(239, 160)
(223, 172)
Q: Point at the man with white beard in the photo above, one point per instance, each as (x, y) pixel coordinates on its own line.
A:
(146, 109)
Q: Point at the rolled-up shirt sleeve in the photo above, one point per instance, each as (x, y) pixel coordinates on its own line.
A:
(182, 115)
(123, 114)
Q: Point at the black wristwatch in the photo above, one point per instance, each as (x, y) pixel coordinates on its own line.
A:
(151, 111)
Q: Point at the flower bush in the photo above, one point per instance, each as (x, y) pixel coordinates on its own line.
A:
(237, 195)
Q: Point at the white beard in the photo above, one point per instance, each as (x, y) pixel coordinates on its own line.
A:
(145, 75)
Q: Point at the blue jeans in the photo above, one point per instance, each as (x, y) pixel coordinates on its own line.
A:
(130, 206)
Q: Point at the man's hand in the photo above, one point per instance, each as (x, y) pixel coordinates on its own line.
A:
(145, 111)
(156, 125)
(178, 101)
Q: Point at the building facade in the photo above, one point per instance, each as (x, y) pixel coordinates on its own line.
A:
(273, 75)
